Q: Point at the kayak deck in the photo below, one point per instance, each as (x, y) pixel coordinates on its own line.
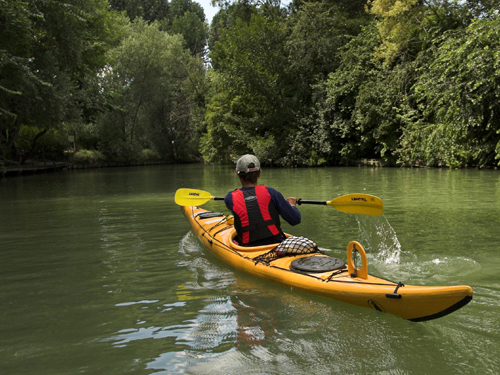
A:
(349, 285)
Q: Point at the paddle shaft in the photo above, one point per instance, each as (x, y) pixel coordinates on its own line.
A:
(302, 201)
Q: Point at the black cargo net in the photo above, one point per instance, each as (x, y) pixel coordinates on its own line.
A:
(295, 245)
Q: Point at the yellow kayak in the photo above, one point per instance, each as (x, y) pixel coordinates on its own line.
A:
(321, 274)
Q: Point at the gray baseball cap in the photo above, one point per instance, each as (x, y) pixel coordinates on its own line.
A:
(243, 164)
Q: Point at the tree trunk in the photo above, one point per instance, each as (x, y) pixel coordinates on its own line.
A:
(10, 145)
(33, 146)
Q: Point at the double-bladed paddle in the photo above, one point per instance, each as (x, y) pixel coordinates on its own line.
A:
(363, 204)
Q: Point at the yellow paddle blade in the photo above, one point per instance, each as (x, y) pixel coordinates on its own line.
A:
(362, 204)
(191, 197)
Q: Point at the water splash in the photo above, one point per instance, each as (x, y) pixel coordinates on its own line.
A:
(380, 240)
(384, 250)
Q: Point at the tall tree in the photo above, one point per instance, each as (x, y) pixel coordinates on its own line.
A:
(187, 18)
(252, 91)
(16, 30)
(157, 84)
(407, 27)
(48, 51)
(456, 119)
(148, 10)
(226, 18)
(184, 17)
(317, 31)
(357, 116)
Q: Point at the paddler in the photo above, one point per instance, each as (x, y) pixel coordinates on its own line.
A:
(257, 208)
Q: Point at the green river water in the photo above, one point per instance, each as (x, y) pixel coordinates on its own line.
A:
(100, 274)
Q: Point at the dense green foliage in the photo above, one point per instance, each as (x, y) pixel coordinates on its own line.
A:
(456, 116)
(411, 82)
(319, 82)
(184, 17)
(153, 81)
(74, 66)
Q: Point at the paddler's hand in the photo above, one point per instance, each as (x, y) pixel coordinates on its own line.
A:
(292, 201)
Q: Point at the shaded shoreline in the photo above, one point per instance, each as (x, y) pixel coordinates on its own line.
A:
(44, 167)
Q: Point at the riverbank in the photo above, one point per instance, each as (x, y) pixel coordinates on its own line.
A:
(43, 167)
(31, 168)
(380, 163)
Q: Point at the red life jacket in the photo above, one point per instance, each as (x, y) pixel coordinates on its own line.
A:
(255, 215)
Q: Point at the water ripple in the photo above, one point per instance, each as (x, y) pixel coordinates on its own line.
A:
(215, 324)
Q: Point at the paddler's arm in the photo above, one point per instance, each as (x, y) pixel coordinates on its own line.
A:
(228, 200)
(288, 212)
